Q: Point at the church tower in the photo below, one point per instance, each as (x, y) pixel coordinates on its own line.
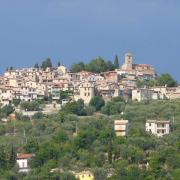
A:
(128, 65)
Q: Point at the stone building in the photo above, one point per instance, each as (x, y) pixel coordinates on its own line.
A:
(86, 92)
(142, 71)
(128, 65)
(142, 94)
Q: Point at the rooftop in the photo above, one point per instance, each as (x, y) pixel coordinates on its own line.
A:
(158, 121)
(24, 156)
(119, 122)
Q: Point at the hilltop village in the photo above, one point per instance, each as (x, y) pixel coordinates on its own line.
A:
(87, 124)
(36, 83)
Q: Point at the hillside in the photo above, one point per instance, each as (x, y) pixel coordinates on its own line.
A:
(76, 143)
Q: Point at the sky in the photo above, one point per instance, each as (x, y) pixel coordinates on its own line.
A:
(74, 30)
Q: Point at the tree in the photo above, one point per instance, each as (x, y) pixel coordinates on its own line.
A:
(155, 163)
(59, 63)
(16, 102)
(116, 62)
(121, 169)
(38, 115)
(117, 99)
(7, 157)
(2, 157)
(64, 95)
(176, 174)
(97, 65)
(47, 151)
(166, 79)
(6, 111)
(99, 173)
(36, 66)
(145, 83)
(63, 176)
(110, 66)
(30, 106)
(97, 102)
(60, 137)
(46, 64)
(32, 145)
(113, 108)
(90, 110)
(76, 107)
(77, 67)
(85, 139)
(12, 157)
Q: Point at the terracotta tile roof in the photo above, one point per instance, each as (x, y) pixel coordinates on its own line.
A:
(24, 156)
(143, 65)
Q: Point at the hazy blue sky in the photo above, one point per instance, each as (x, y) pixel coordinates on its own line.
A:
(73, 30)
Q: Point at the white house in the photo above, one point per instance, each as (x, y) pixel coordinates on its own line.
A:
(121, 127)
(158, 128)
(22, 161)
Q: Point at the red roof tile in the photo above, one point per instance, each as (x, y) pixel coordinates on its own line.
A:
(24, 156)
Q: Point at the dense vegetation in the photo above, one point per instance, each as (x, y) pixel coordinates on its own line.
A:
(96, 65)
(6, 111)
(30, 106)
(162, 80)
(74, 143)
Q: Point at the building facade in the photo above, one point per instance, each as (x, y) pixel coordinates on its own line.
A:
(22, 161)
(121, 127)
(158, 128)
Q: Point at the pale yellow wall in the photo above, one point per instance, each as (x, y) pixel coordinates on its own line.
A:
(84, 176)
(13, 82)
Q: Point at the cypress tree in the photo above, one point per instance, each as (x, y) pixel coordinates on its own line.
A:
(116, 62)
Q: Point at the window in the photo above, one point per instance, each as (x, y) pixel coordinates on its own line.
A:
(149, 124)
(84, 94)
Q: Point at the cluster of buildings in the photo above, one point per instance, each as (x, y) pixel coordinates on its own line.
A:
(35, 83)
(155, 127)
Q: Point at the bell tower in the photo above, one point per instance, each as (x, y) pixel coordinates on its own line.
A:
(128, 65)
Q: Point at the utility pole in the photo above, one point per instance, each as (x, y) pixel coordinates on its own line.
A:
(25, 136)
(14, 128)
(76, 128)
(173, 121)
